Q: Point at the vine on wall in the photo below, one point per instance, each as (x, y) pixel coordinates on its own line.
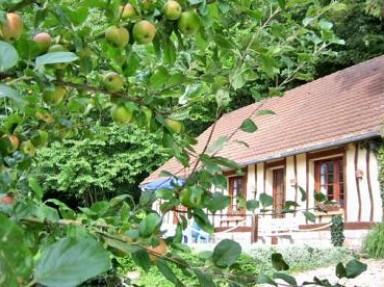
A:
(380, 159)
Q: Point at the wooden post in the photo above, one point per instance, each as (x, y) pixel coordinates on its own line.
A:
(254, 230)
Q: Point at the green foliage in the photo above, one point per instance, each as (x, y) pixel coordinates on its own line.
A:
(111, 161)
(337, 231)
(59, 263)
(351, 270)
(373, 243)
(360, 24)
(252, 48)
(380, 160)
(226, 253)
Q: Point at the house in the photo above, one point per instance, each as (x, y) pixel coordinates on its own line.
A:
(323, 138)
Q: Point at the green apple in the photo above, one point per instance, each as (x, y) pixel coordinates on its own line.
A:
(189, 23)
(148, 115)
(127, 11)
(143, 32)
(27, 148)
(117, 36)
(113, 82)
(191, 197)
(12, 28)
(43, 41)
(121, 114)
(146, 5)
(174, 126)
(56, 96)
(172, 10)
(39, 138)
(44, 115)
(9, 143)
(58, 48)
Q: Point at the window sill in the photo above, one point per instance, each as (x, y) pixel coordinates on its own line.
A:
(233, 218)
(329, 213)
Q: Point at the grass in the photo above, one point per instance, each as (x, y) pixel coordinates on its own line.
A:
(373, 244)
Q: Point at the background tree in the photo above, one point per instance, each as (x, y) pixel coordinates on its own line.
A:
(111, 162)
(99, 62)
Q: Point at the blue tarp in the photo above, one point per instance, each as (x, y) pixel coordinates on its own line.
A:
(163, 183)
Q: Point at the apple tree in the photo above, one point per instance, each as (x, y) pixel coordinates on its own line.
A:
(67, 67)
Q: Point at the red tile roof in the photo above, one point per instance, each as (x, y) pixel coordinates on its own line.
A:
(336, 109)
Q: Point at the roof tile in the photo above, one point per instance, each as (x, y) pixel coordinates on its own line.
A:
(344, 104)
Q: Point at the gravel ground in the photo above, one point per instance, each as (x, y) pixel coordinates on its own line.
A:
(373, 277)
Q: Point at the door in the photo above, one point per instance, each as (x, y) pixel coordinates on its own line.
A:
(278, 192)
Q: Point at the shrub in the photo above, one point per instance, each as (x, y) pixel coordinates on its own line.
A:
(373, 244)
(337, 231)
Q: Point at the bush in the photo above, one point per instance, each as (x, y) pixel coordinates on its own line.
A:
(337, 231)
(373, 244)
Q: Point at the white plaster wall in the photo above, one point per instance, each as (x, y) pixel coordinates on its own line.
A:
(352, 197)
(289, 188)
(364, 192)
(251, 182)
(250, 191)
(351, 187)
(301, 181)
(268, 182)
(374, 172)
(311, 185)
(260, 179)
(289, 175)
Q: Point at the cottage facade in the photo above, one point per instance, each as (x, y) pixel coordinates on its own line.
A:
(323, 138)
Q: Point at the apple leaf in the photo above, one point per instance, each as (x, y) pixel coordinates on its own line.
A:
(167, 272)
(265, 112)
(248, 126)
(226, 253)
(15, 256)
(218, 144)
(264, 279)
(278, 262)
(8, 56)
(354, 268)
(7, 92)
(265, 200)
(309, 216)
(285, 277)
(71, 261)
(149, 224)
(55, 58)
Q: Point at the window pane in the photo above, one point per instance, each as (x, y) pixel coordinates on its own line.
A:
(331, 168)
(330, 192)
(236, 191)
(341, 199)
(331, 178)
(323, 168)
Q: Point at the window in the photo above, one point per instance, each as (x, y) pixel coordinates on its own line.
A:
(329, 179)
(236, 190)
